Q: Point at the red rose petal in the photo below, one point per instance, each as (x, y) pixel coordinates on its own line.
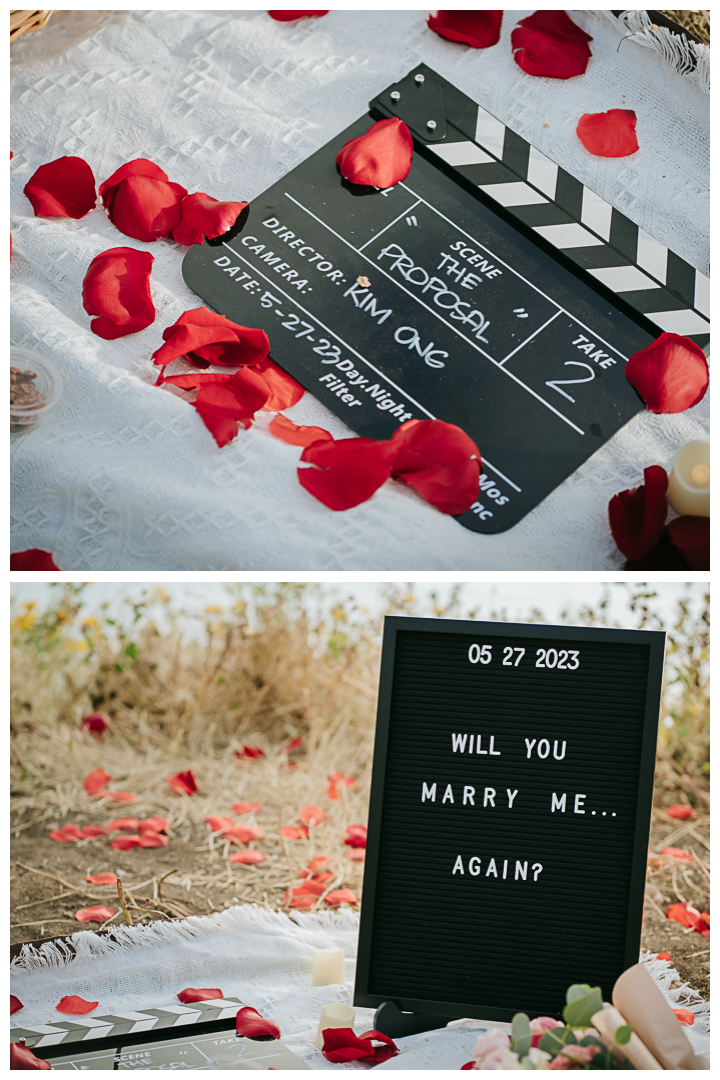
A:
(89, 832)
(680, 812)
(141, 202)
(154, 824)
(296, 434)
(637, 515)
(664, 556)
(341, 896)
(691, 536)
(15, 1004)
(294, 744)
(202, 216)
(349, 471)
(117, 796)
(342, 1044)
(116, 287)
(102, 879)
(284, 390)
(96, 723)
(291, 16)
(249, 1023)
(663, 956)
(248, 858)
(247, 807)
(96, 781)
(125, 824)
(223, 407)
(62, 188)
(670, 374)
(21, 1057)
(205, 337)
(549, 43)
(440, 461)
(677, 853)
(312, 815)
(67, 834)
(685, 914)
(96, 913)
(243, 834)
(356, 854)
(335, 779)
(192, 994)
(479, 29)
(124, 843)
(76, 1005)
(685, 1017)
(609, 134)
(152, 839)
(183, 783)
(32, 559)
(292, 832)
(381, 157)
(250, 752)
(217, 824)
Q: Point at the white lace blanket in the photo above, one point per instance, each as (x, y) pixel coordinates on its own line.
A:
(265, 959)
(126, 477)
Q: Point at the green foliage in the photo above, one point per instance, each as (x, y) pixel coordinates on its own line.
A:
(622, 1035)
(521, 1034)
(553, 1041)
(580, 1010)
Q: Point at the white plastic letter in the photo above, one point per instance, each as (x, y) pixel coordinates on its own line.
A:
(458, 865)
(578, 804)
(448, 795)
(429, 792)
(558, 804)
(530, 745)
(489, 796)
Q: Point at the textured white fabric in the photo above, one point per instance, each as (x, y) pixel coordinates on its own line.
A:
(125, 476)
(265, 959)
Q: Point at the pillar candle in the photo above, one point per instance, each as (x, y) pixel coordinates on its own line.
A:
(689, 482)
(334, 1016)
(328, 966)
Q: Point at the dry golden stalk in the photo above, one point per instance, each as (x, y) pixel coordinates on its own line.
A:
(123, 905)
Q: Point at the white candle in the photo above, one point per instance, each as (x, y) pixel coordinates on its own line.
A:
(334, 1016)
(328, 967)
(689, 482)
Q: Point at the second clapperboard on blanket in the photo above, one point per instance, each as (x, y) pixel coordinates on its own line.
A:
(504, 296)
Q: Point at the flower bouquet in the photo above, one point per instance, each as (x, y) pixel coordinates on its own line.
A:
(595, 1034)
(546, 1043)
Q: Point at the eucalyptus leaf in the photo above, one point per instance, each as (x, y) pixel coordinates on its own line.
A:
(554, 1040)
(580, 1011)
(577, 990)
(622, 1035)
(521, 1034)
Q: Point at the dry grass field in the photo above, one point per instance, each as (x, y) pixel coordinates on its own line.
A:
(275, 667)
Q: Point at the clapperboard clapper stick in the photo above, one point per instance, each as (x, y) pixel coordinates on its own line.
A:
(504, 296)
(509, 818)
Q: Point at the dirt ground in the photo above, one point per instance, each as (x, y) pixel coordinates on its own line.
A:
(205, 883)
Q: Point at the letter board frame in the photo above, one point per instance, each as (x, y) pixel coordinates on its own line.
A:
(382, 941)
(561, 289)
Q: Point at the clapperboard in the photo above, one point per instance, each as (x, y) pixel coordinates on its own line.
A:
(490, 289)
(197, 1036)
(509, 816)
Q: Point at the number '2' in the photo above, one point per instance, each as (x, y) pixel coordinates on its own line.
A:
(557, 383)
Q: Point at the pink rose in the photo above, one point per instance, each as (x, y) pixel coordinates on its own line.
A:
(540, 1025)
(489, 1049)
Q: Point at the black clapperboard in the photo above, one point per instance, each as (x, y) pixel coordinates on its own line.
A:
(505, 296)
(173, 1036)
(509, 817)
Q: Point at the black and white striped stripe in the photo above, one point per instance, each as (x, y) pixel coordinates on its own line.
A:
(86, 1028)
(567, 214)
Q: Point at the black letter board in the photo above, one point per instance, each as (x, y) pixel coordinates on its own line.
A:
(504, 297)
(509, 815)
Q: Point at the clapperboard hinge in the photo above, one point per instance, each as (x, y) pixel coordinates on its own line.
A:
(552, 205)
